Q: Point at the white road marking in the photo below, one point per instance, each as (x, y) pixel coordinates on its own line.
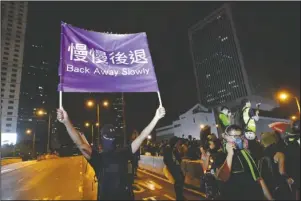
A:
(45, 198)
(80, 189)
(150, 198)
(140, 189)
(80, 173)
(57, 197)
(169, 197)
(7, 170)
(162, 179)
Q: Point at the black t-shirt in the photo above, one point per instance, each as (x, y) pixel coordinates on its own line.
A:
(111, 169)
(241, 185)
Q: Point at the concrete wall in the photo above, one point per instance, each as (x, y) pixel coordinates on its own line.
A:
(191, 169)
(7, 161)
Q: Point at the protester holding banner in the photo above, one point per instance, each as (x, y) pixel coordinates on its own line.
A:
(110, 165)
(102, 62)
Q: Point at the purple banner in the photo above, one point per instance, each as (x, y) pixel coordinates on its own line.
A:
(101, 62)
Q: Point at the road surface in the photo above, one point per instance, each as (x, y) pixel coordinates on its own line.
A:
(62, 179)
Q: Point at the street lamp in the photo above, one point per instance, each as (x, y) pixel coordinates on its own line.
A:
(283, 96)
(87, 125)
(91, 103)
(202, 126)
(41, 113)
(293, 117)
(29, 132)
(149, 137)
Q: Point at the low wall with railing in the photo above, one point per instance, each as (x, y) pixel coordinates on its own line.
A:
(191, 169)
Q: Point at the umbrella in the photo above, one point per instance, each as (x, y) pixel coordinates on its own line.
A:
(280, 127)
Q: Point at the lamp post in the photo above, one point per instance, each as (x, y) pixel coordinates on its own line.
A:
(283, 96)
(41, 112)
(29, 132)
(91, 103)
(87, 125)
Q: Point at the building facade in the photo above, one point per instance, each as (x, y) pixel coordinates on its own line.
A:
(189, 123)
(217, 59)
(13, 28)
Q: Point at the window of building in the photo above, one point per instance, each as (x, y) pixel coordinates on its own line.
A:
(16, 60)
(4, 68)
(10, 107)
(7, 131)
(4, 63)
(12, 91)
(14, 70)
(16, 55)
(9, 113)
(17, 45)
(6, 48)
(6, 43)
(15, 65)
(11, 102)
(5, 53)
(18, 36)
(8, 125)
(12, 85)
(3, 73)
(9, 119)
(13, 80)
(14, 75)
(5, 58)
(18, 41)
(11, 96)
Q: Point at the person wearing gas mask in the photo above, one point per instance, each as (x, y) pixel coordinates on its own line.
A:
(237, 169)
(111, 164)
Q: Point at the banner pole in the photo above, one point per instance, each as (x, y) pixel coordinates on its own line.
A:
(61, 99)
(159, 96)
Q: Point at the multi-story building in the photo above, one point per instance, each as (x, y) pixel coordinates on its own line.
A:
(117, 106)
(217, 59)
(13, 28)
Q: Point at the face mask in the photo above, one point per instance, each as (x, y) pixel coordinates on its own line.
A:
(239, 143)
(108, 144)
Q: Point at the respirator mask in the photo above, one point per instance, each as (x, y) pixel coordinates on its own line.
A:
(234, 136)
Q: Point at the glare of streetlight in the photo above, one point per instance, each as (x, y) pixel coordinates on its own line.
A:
(105, 103)
(202, 126)
(216, 125)
(149, 137)
(28, 131)
(41, 112)
(97, 124)
(283, 96)
(294, 117)
(87, 124)
(90, 103)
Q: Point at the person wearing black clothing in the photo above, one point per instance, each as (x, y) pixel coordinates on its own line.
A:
(292, 153)
(237, 169)
(172, 160)
(273, 169)
(111, 165)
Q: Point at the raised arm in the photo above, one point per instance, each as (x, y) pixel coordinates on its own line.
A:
(160, 113)
(224, 172)
(79, 139)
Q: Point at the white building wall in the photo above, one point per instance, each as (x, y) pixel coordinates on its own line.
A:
(189, 124)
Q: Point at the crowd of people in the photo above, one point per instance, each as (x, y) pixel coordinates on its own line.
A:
(236, 164)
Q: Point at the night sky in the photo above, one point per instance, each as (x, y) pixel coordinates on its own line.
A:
(270, 31)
